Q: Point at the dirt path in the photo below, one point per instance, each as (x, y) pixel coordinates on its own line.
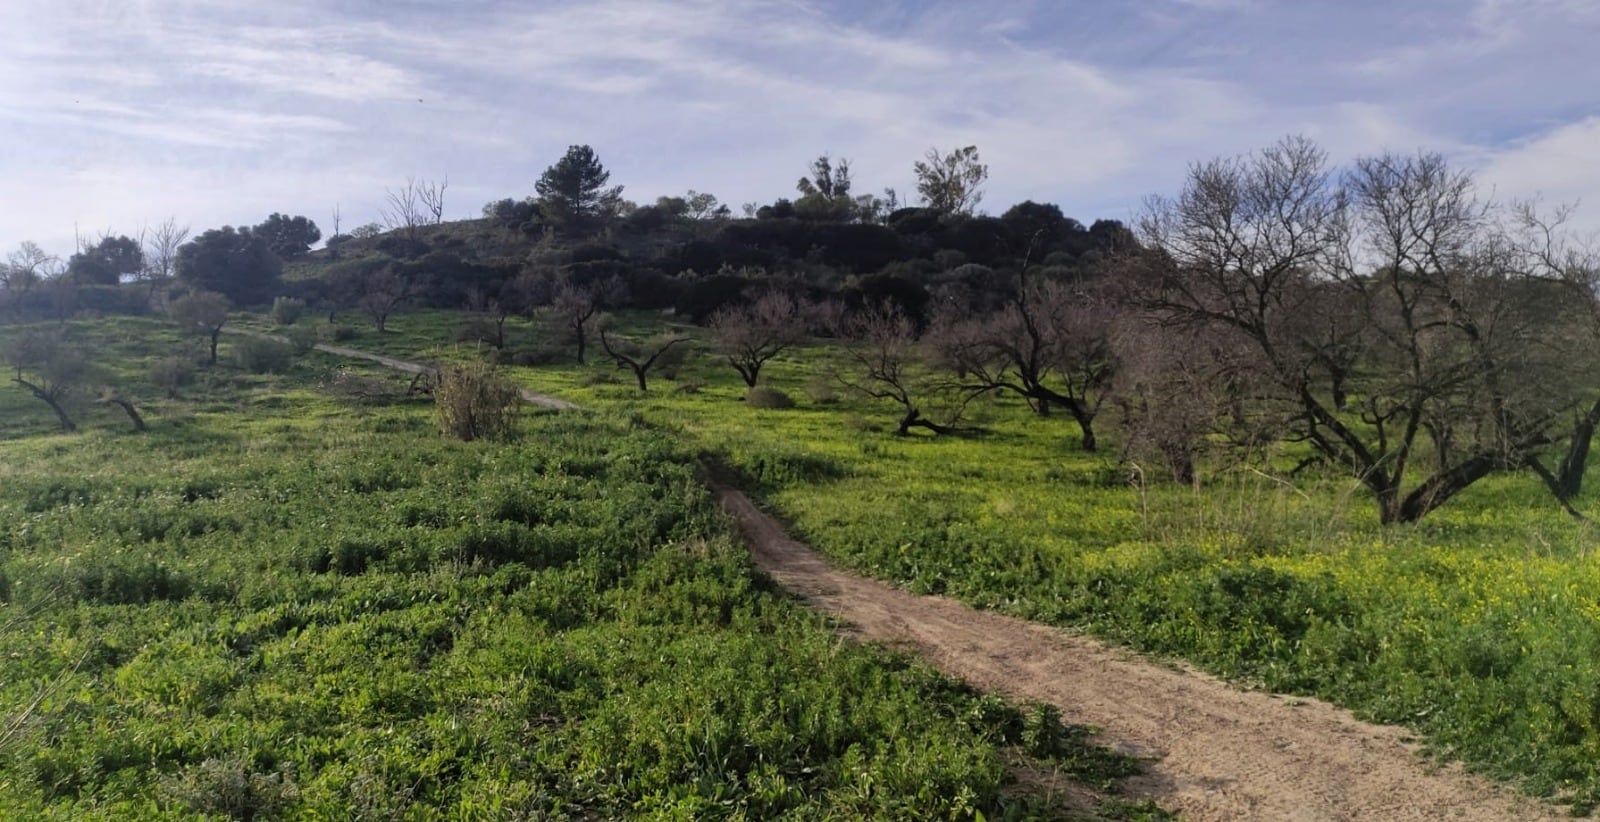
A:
(530, 397)
(1217, 753)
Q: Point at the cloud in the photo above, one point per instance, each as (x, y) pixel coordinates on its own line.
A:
(1561, 165)
(126, 109)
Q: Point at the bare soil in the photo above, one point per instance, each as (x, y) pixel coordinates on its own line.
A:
(1214, 751)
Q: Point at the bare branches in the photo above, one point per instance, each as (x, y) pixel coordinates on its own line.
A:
(432, 196)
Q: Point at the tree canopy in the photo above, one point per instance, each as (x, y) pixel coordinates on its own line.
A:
(288, 237)
(236, 263)
(107, 262)
(573, 192)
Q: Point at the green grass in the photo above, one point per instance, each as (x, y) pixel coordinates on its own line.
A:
(1479, 627)
(290, 599)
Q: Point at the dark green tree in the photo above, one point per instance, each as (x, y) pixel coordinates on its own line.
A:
(106, 262)
(573, 192)
(288, 237)
(234, 262)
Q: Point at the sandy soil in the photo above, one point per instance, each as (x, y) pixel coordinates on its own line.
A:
(1215, 752)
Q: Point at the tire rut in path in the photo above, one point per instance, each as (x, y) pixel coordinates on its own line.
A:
(1216, 752)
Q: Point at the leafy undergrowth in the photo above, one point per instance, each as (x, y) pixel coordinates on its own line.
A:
(1479, 627)
(308, 610)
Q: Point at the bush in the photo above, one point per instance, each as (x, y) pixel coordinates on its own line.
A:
(301, 338)
(287, 310)
(763, 397)
(475, 401)
(263, 355)
(340, 333)
(171, 373)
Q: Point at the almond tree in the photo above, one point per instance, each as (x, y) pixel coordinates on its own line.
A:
(1457, 352)
(750, 335)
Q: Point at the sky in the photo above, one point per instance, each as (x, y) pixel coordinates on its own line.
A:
(116, 115)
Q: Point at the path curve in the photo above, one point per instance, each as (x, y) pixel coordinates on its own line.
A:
(530, 397)
(1216, 752)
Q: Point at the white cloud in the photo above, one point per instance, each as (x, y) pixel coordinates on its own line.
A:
(224, 113)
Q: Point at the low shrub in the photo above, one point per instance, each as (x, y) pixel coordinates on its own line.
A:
(263, 355)
(764, 397)
(287, 310)
(475, 401)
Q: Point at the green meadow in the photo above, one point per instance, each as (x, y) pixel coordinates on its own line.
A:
(292, 597)
(1478, 627)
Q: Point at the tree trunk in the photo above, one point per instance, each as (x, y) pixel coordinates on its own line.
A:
(583, 343)
(215, 333)
(127, 408)
(1576, 460)
(61, 413)
(638, 374)
(1440, 487)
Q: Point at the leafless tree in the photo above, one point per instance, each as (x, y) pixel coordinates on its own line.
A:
(889, 362)
(384, 293)
(1451, 356)
(493, 308)
(639, 358)
(432, 196)
(161, 245)
(750, 335)
(1049, 345)
(27, 267)
(403, 209)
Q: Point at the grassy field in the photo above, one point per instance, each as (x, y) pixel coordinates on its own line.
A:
(292, 598)
(1479, 627)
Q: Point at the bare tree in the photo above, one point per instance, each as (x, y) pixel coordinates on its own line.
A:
(432, 196)
(750, 335)
(639, 358)
(1049, 344)
(49, 368)
(384, 292)
(1452, 355)
(493, 308)
(887, 362)
(161, 245)
(28, 266)
(403, 209)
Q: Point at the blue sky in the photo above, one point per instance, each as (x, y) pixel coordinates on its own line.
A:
(117, 114)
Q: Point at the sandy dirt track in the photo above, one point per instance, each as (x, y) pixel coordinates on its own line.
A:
(1216, 752)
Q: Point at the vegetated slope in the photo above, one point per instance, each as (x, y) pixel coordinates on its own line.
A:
(275, 604)
(1476, 629)
(1218, 753)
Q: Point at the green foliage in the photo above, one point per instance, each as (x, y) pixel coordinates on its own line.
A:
(287, 310)
(262, 355)
(286, 236)
(308, 614)
(474, 401)
(234, 262)
(763, 396)
(573, 192)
